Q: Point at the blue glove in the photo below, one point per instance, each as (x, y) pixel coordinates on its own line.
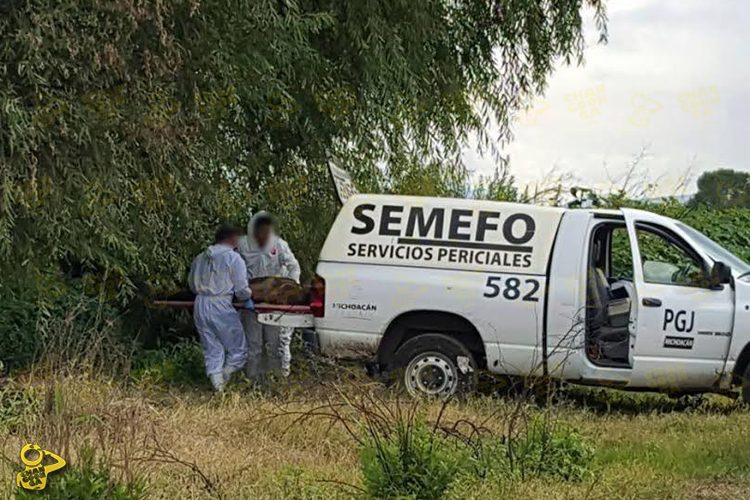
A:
(249, 305)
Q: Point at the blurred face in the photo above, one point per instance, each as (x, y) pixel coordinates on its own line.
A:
(262, 234)
(233, 241)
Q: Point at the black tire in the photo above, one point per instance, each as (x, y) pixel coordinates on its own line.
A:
(746, 385)
(437, 365)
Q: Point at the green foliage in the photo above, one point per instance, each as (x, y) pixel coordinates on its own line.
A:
(85, 480)
(729, 227)
(413, 462)
(549, 449)
(615, 402)
(18, 319)
(545, 448)
(431, 179)
(417, 461)
(180, 364)
(499, 187)
(130, 129)
(685, 436)
(17, 406)
(723, 188)
(68, 327)
(299, 484)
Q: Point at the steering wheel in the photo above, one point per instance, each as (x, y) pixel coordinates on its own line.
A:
(689, 275)
(682, 275)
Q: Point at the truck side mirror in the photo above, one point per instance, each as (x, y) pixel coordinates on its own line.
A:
(720, 274)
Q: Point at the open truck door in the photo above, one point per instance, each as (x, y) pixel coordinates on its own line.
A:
(682, 318)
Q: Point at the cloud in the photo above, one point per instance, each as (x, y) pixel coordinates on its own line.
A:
(672, 78)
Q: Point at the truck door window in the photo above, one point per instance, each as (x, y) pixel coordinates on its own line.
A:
(667, 260)
(621, 258)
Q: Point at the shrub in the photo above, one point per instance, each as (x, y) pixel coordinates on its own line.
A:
(181, 363)
(415, 462)
(17, 406)
(300, 484)
(85, 480)
(62, 328)
(412, 462)
(545, 448)
(550, 449)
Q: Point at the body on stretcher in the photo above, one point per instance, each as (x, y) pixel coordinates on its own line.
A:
(294, 316)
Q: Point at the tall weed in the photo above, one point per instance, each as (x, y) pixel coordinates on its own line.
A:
(86, 480)
(412, 462)
(181, 363)
(62, 332)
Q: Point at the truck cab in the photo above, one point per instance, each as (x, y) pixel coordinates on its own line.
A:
(437, 289)
(664, 305)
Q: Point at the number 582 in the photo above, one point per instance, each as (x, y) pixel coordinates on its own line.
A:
(512, 288)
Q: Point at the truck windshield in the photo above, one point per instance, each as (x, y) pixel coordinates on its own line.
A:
(716, 251)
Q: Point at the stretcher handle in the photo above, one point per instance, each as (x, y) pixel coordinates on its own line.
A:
(261, 307)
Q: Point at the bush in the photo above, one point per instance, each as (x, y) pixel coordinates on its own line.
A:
(17, 406)
(85, 480)
(181, 363)
(415, 462)
(63, 328)
(18, 319)
(412, 462)
(544, 449)
(549, 449)
(299, 484)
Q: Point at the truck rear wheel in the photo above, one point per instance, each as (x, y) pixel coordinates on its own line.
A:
(433, 364)
(746, 385)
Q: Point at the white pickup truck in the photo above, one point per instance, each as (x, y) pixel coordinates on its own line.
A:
(440, 288)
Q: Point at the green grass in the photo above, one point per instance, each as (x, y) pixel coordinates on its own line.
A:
(691, 446)
(308, 439)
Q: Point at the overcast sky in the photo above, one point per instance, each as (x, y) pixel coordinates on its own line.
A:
(673, 79)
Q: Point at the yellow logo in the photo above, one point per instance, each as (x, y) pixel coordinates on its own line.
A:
(587, 102)
(34, 475)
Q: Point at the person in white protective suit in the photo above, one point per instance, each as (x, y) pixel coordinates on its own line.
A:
(216, 276)
(266, 255)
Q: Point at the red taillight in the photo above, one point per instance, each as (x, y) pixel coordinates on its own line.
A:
(318, 297)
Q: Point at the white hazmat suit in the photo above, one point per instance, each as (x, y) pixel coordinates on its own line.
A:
(268, 346)
(217, 275)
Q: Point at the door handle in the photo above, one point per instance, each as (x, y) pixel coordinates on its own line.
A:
(651, 302)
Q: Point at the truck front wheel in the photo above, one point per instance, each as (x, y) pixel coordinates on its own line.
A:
(746, 385)
(434, 364)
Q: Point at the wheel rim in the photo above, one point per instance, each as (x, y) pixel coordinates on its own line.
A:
(431, 374)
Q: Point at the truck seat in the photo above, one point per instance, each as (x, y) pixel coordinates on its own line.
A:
(609, 317)
(604, 309)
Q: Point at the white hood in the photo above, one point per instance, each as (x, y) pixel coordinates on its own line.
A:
(275, 259)
(251, 241)
(216, 250)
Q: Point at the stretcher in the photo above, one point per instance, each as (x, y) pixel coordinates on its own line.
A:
(296, 316)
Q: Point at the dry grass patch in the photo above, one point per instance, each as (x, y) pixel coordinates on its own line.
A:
(306, 441)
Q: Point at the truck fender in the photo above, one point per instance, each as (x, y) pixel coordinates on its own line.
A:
(413, 323)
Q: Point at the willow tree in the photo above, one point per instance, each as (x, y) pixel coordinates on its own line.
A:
(128, 128)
